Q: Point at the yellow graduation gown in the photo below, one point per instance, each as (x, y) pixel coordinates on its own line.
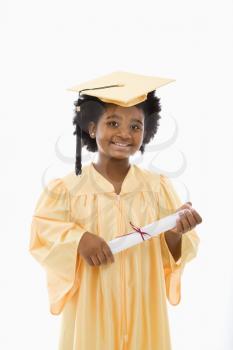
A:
(116, 306)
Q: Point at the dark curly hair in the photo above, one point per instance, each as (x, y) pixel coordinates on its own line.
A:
(91, 109)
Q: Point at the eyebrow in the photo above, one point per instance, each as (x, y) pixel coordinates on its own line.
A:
(118, 117)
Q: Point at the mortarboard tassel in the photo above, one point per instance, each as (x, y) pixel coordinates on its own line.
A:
(78, 160)
(101, 87)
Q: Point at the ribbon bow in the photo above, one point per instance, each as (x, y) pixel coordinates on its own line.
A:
(136, 229)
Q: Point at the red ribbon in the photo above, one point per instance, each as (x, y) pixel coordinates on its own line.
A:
(136, 229)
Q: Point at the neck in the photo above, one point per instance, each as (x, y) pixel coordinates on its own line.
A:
(114, 169)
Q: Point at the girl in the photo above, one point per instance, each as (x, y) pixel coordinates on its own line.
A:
(113, 302)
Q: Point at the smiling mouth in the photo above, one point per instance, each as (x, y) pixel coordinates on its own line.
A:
(120, 145)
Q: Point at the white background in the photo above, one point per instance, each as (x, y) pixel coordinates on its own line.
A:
(48, 46)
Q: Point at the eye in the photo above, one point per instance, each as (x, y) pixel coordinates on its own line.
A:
(110, 123)
(137, 126)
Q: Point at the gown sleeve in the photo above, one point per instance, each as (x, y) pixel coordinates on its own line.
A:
(54, 240)
(169, 202)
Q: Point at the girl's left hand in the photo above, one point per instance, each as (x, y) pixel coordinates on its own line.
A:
(189, 218)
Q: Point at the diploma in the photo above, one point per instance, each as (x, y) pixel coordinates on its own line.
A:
(141, 234)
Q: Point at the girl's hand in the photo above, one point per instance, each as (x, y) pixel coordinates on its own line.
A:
(94, 249)
(189, 218)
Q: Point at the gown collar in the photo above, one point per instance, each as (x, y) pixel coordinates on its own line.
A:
(91, 181)
(105, 185)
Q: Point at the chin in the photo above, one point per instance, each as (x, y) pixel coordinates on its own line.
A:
(120, 156)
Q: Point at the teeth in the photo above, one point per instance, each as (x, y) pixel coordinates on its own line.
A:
(120, 144)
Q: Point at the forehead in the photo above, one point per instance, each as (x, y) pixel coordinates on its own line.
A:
(132, 111)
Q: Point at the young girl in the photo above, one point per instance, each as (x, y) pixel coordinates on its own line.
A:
(113, 302)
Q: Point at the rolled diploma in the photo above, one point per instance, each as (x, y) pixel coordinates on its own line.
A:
(154, 229)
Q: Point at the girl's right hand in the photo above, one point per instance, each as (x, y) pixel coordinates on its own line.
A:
(94, 249)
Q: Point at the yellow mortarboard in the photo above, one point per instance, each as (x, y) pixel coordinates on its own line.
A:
(121, 88)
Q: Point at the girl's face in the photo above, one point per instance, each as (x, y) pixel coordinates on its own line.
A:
(119, 132)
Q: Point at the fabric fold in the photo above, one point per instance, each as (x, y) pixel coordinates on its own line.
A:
(54, 242)
(169, 202)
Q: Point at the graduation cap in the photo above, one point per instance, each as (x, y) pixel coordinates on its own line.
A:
(121, 88)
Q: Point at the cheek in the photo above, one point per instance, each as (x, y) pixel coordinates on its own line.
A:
(139, 135)
(103, 133)
(102, 137)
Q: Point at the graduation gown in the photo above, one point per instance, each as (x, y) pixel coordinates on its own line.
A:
(117, 306)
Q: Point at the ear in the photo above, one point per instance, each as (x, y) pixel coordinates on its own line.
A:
(91, 127)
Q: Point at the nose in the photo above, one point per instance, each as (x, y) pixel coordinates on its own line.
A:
(124, 133)
(124, 137)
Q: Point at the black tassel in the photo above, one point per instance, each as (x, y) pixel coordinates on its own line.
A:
(78, 161)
